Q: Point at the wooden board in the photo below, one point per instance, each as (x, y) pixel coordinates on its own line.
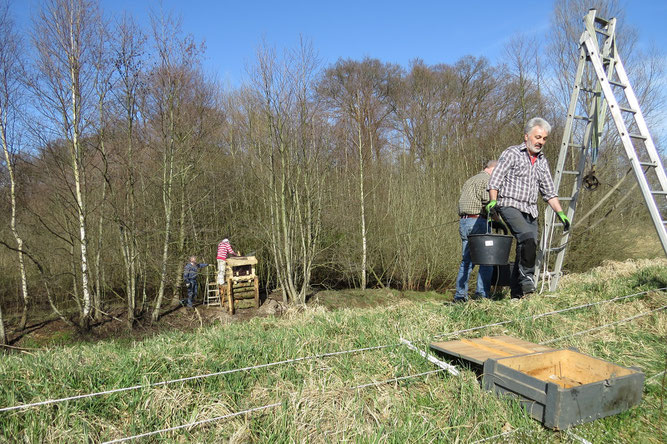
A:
(234, 261)
(478, 350)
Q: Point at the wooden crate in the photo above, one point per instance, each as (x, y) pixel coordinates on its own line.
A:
(562, 388)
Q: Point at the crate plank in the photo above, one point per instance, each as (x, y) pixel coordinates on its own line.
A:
(478, 350)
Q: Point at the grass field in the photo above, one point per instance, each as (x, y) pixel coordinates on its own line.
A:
(315, 399)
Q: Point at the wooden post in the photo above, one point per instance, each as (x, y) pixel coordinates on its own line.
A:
(256, 292)
(230, 295)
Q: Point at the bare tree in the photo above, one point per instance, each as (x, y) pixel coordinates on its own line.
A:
(290, 164)
(64, 38)
(170, 90)
(128, 51)
(358, 93)
(11, 87)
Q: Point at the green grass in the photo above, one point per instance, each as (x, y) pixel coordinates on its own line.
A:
(317, 402)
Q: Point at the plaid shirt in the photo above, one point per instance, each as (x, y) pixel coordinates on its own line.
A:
(474, 194)
(518, 180)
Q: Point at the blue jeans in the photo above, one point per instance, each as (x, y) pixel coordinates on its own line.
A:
(192, 291)
(467, 227)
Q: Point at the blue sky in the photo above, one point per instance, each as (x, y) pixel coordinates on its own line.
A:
(392, 31)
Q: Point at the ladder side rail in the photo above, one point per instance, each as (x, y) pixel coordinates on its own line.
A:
(571, 208)
(627, 143)
(562, 158)
(597, 116)
(641, 125)
(608, 50)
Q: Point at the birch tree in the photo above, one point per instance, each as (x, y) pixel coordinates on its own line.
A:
(64, 39)
(11, 88)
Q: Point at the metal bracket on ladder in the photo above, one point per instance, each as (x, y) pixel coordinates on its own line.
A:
(608, 76)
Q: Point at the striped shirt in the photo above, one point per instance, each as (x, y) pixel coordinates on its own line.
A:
(224, 248)
(518, 180)
(474, 194)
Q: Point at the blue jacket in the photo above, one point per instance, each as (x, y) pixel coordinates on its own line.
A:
(190, 271)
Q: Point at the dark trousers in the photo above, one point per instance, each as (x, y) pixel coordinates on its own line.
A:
(192, 291)
(524, 228)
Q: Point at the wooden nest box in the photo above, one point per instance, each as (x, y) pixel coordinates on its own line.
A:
(241, 280)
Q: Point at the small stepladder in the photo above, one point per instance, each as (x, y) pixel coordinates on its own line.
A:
(601, 86)
(212, 295)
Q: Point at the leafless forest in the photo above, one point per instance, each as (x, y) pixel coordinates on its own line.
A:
(122, 157)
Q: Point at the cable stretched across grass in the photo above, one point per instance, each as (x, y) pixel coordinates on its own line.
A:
(375, 384)
(303, 358)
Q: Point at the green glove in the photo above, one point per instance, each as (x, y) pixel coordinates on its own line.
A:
(565, 220)
(491, 205)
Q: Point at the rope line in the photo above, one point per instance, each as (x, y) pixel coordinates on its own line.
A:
(500, 435)
(193, 424)
(256, 409)
(303, 358)
(605, 325)
(400, 378)
(264, 407)
(650, 380)
(189, 378)
(549, 313)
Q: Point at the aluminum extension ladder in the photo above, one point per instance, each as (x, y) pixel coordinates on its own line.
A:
(609, 92)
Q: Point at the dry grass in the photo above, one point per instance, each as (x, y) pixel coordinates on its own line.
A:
(318, 402)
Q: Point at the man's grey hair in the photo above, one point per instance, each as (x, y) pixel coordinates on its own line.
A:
(537, 121)
(491, 164)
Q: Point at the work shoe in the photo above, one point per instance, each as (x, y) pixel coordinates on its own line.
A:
(457, 300)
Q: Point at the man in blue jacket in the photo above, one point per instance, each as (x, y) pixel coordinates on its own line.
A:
(190, 279)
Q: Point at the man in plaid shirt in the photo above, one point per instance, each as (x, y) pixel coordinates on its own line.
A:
(474, 196)
(522, 171)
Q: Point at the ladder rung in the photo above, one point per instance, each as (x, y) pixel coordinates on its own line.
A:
(648, 164)
(615, 83)
(659, 193)
(602, 31)
(627, 110)
(586, 118)
(562, 247)
(590, 91)
(573, 172)
(637, 136)
(574, 145)
(601, 21)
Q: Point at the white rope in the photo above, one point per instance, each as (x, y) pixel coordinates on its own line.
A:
(193, 424)
(579, 438)
(605, 325)
(650, 380)
(400, 378)
(190, 378)
(549, 313)
(256, 409)
(500, 435)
